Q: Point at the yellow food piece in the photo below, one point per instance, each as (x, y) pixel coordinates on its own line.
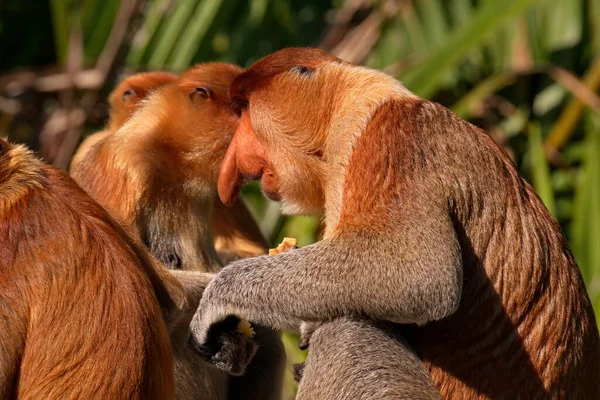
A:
(288, 243)
(244, 327)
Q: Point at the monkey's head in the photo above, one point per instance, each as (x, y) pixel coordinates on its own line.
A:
(125, 99)
(286, 101)
(186, 126)
(300, 112)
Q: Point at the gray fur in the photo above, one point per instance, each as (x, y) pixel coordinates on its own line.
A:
(336, 277)
(363, 360)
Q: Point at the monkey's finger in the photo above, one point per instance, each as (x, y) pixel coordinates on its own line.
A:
(298, 371)
(303, 343)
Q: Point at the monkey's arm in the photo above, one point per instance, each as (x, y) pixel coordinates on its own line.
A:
(411, 271)
(194, 283)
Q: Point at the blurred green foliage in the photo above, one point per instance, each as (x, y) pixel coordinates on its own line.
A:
(527, 71)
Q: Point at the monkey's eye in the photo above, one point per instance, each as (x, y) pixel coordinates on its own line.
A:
(128, 93)
(302, 70)
(201, 91)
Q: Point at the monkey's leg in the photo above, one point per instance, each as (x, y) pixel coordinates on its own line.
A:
(193, 283)
(363, 360)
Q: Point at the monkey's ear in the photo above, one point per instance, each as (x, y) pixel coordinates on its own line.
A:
(201, 92)
(302, 70)
(128, 94)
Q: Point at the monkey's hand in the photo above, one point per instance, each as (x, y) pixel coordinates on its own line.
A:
(226, 347)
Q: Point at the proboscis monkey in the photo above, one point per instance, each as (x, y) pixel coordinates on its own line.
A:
(427, 222)
(235, 232)
(124, 100)
(80, 300)
(158, 173)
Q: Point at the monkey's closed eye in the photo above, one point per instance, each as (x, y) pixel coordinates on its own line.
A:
(128, 93)
(302, 70)
(201, 91)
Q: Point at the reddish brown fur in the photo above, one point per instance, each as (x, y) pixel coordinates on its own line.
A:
(543, 315)
(158, 173)
(179, 153)
(235, 231)
(79, 299)
(525, 326)
(124, 100)
(263, 70)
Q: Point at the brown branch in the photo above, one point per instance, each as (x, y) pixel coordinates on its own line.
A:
(104, 64)
(19, 82)
(354, 44)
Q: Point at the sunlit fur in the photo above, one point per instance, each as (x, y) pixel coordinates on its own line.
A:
(235, 232)
(158, 173)
(80, 300)
(427, 223)
(124, 100)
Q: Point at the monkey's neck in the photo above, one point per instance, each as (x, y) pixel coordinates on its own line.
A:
(177, 229)
(349, 120)
(170, 218)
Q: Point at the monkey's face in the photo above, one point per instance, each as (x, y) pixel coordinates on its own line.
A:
(286, 102)
(195, 124)
(125, 99)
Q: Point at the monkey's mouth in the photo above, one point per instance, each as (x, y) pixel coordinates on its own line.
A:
(270, 185)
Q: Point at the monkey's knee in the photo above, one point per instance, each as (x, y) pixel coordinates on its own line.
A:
(362, 359)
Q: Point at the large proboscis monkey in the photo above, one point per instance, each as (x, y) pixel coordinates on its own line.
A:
(158, 173)
(80, 300)
(428, 223)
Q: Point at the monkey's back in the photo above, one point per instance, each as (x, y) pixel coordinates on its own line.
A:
(525, 327)
(84, 309)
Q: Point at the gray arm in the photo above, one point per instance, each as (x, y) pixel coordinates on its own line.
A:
(413, 273)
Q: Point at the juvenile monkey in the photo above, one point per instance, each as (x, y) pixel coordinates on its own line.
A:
(427, 222)
(124, 100)
(235, 232)
(80, 301)
(158, 173)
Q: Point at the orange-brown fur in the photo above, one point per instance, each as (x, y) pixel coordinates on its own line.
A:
(124, 100)
(158, 173)
(80, 301)
(427, 222)
(235, 231)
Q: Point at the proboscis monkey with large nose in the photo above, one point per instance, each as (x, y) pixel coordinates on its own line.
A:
(428, 224)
